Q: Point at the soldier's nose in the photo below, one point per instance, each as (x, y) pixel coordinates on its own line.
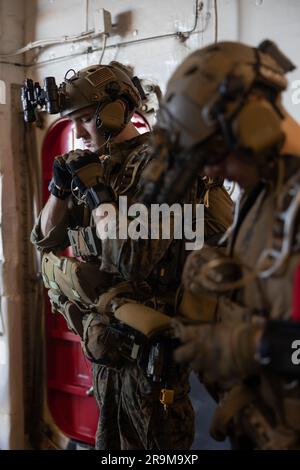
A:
(80, 131)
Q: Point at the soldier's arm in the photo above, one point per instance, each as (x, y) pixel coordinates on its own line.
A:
(235, 349)
(50, 232)
(224, 352)
(53, 214)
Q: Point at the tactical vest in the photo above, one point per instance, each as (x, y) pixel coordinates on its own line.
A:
(167, 274)
(267, 408)
(83, 239)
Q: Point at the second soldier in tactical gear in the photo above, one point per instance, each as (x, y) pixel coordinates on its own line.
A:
(239, 130)
(143, 404)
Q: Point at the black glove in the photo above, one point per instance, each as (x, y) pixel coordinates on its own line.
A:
(87, 174)
(60, 184)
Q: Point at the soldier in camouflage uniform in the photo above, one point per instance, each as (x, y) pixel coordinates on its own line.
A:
(240, 131)
(100, 100)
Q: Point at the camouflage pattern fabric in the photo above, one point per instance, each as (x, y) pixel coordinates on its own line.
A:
(131, 416)
(129, 401)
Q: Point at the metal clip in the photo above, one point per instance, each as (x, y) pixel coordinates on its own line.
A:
(288, 218)
(166, 397)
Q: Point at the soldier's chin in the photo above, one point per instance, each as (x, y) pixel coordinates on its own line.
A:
(90, 146)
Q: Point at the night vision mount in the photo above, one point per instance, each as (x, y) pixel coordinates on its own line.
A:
(50, 98)
(53, 99)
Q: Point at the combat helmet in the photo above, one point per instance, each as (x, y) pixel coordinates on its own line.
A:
(108, 86)
(208, 91)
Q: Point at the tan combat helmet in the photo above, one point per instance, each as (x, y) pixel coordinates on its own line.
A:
(208, 91)
(107, 86)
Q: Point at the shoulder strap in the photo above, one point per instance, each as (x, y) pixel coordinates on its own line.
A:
(131, 171)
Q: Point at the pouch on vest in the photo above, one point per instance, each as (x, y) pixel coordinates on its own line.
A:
(84, 241)
(107, 345)
(200, 308)
(78, 281)
(143, 319)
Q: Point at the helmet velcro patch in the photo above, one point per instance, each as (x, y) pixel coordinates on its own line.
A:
(100, 76)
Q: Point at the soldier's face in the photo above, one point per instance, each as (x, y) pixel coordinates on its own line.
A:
(235, 168)
(84, 122)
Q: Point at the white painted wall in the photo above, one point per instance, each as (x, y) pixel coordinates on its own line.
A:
(277, 20)
(154, 59)
(11, 341)
(247, 20)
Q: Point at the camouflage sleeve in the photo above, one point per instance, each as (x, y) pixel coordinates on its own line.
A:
(57, 239)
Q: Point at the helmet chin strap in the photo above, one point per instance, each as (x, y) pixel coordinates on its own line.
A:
(107, 136)
(97, 116)
(105, 145)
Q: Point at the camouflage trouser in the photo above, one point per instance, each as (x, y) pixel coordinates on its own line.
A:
(131, 415)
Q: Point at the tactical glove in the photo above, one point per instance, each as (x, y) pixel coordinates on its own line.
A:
(211, 271)
(87, 174)
(60, 184)
(190, 276)
(221, 353)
